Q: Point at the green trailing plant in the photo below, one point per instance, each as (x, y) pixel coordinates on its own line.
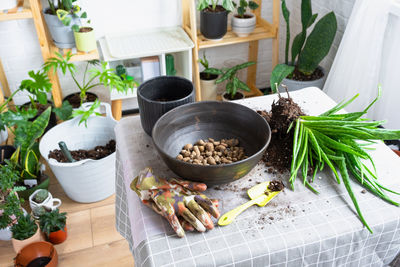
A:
(103, 76)
(65, 11)
(212, 4)
(41, 196)
(25, 228)
(230, 75)
(307, 51)
(333, 140)
(52, 221)
(242, 6)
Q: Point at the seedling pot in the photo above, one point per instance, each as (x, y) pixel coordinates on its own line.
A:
(62, 35)
(213, 25)
(19, 244)
(37, 250)
(87, 180)
(58, 237)
(294, 85)
(208, 86)
(85, 41)
(242, 27)
(161, 94)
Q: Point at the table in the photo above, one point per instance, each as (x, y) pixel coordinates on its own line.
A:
(296, 228)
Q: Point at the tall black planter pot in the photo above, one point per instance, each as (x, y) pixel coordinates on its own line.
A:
(161, 94)
(213, 25)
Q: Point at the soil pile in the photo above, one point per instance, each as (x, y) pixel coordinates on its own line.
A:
(98, 152)
(282, 114)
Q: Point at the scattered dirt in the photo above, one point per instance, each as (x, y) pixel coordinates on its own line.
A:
(75, 99)
(85, 29)
(279, 152)
(207, 76)
(278, 214)
(218, 8)
(98, 152)
(298, 76)
(276, 185)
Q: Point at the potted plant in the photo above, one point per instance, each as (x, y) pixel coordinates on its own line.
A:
(105, 76)
(42, 201)
(233, 83)
(53, 224)
(306, 52)
(24, 232)
(59, 17)
(10, 204)
(37, 254)
(207, 80)
(243, 23)
(214, 18)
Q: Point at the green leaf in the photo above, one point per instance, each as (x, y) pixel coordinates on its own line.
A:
(280, 72)
(86, 114)
(297, 45)
(75, 28)
(241, 11)
(306, 13)
(228, 5)
(213, 71)
(31, 163)
(202, 4)
(253, 5)
(64, 112)
(318, 44)
(84, 15)
(286, 16)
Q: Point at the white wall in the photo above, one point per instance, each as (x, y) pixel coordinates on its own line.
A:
(20, 52)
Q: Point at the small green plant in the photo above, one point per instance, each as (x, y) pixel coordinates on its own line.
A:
(38, 211)
(52, 221)
(243, 5)
(207, 70)
(306, 52)
(230, 75)
(85, 114)
(25, 228)
(41, 196)
(212, 4)
(64, 8)
(104, 76)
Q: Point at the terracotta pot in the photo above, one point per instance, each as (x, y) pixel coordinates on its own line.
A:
(58, 236)
(397, 152)
(37, 250)
(19, 244)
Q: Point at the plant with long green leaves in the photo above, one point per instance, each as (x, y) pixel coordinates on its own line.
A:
(104, 76)
(242, 6)
(85, 114)
(206, 65)
(230, 75)
(212, 4)
(52, 221)
(25, 228)
(306, 52)
(332, 139)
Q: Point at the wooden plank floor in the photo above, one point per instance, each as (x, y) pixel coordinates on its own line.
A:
(92, 237)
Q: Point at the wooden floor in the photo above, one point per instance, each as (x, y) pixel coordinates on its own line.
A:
(92, 237)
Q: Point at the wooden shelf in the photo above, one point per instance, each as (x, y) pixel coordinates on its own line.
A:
(260, 32)
(24, 13)
(76, 55)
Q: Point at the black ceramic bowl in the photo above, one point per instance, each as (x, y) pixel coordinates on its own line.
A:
(218, 120)
(161, 94)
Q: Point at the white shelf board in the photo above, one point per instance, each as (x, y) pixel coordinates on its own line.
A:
(144, 43)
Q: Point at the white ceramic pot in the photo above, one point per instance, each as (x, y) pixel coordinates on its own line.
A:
(3, 136)
(87, 180)
(8, 4)
(294, 85)
(208, 89)
(225, 99)
(243, 26)
(49, 203)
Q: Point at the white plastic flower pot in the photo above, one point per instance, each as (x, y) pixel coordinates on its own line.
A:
(87, 180)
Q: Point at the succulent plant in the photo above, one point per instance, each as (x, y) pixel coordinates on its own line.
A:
(52, 221)
(38, 211)
(25, 228)
(41, 196)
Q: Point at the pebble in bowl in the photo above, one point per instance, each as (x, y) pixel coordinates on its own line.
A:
(211, 119)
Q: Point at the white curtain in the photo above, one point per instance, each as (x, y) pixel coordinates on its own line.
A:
(369, 54)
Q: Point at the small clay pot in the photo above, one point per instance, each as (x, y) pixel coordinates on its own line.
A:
(58, 237)
(36, 251)
(19, 244)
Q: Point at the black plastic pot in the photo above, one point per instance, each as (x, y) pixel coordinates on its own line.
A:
(213, 25)
(52, 120)
(6, 153)
(161, 94)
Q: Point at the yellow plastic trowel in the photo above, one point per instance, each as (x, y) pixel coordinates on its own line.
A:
(259, 194)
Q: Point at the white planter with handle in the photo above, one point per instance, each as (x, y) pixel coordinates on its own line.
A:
(87, 180)
(8, 4)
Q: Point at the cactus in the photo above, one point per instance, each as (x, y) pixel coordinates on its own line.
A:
(41, 196)
(170, 64)
(38, 211)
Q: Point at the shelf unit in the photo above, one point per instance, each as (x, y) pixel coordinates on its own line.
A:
(263, 30)
(46, 44)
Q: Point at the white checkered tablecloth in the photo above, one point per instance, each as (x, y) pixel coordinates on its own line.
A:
(297, 228)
